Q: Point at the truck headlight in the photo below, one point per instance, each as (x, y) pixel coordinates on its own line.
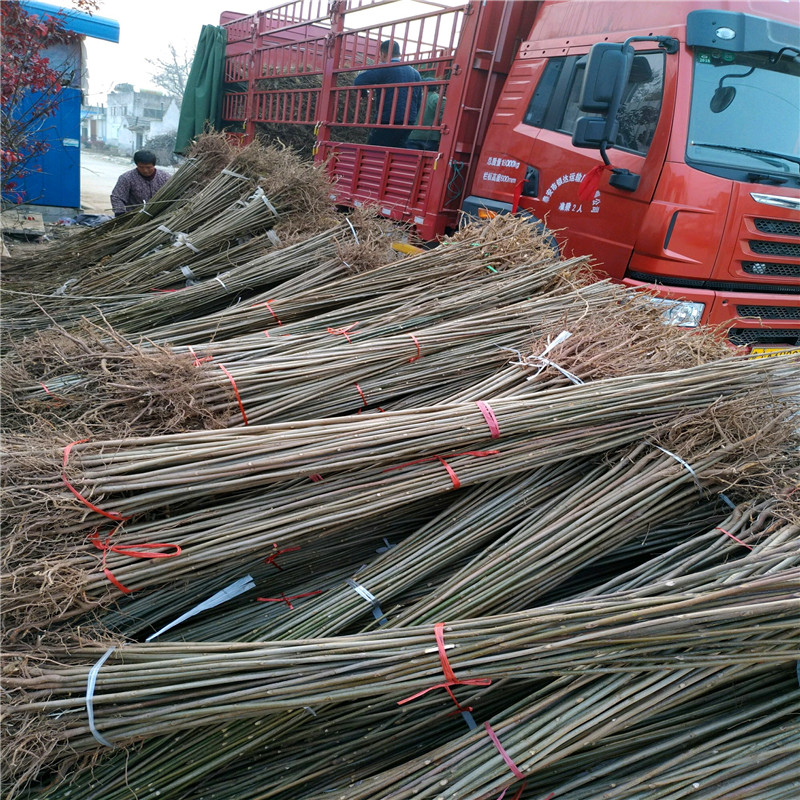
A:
(680, 313)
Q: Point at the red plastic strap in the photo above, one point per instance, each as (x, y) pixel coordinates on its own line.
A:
(735, 539)
(517, 196)
(500, 749)
(491, 419)
(521, 789)
(366, 405)
(143, 550)
(116, 516)
(447, 670)
(57, 401)
(449, 675)
(110, 575)
(591, 182)
(518, 795)
(419, 352)
(197, 360)
(343, 331)
(269, 308)
(316, 477)
(451, 472)
(235, 391)
(441, 459)
(446, 687)
(362, 396)
(271, 559)
(284, 599)
(138, 550)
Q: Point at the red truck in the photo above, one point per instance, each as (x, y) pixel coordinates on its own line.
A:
(662, 138)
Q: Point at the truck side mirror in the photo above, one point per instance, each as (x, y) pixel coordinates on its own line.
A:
(593, 131)
(607, 71)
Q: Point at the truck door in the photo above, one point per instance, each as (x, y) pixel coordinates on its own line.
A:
(604, 225)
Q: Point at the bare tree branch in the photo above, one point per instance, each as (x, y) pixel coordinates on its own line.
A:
(171, 73)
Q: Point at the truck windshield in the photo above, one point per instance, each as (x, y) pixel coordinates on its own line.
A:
(745, 116)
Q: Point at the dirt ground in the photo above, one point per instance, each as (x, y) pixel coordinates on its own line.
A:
(99, 173)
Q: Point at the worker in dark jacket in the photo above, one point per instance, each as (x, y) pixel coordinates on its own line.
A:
(138, 185)
(395, 72)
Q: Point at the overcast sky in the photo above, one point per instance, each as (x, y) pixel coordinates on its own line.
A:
(146, 29)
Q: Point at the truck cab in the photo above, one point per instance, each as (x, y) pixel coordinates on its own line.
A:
(701, 197)
(697, 196)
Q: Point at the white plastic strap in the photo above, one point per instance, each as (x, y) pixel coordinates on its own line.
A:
(234, 174)
(355, 235)
(546, 362)
(188, 274)
(274, 238)
(62, 290)
(238, 587)
(165, 229)
(183, 238)
(560, 339)
(370, 598)
(143, 210)
(269, 205)
(221, 282)
(91, 682)
(683, 464)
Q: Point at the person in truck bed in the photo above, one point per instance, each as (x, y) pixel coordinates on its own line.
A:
(138, 185)
(383, 99)
(431, 115)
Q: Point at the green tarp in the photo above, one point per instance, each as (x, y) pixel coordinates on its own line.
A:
(202, 100)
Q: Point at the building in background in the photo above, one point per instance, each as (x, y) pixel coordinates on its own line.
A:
(93, 126)
(133, 117)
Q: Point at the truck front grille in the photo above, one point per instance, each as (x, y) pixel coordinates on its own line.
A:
(771, 268)
(718, 286)
(769, 312)
(776, 336)
(781, 227)
(775, 248)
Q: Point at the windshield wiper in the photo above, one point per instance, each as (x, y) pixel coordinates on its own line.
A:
(754, 151)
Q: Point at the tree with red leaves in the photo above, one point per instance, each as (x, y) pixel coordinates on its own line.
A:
(30, 88)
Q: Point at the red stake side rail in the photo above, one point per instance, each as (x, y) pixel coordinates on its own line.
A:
(295, 64)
